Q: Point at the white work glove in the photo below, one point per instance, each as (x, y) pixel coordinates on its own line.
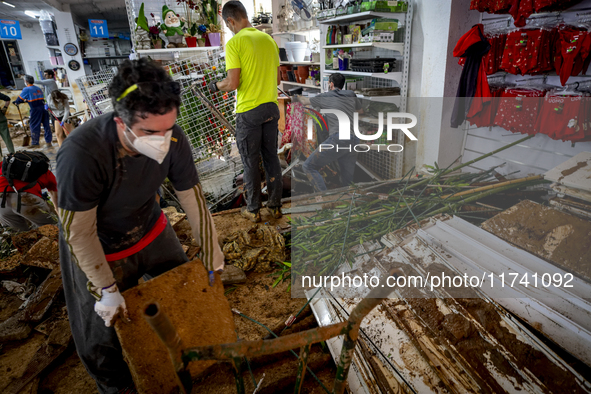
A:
(111, 305)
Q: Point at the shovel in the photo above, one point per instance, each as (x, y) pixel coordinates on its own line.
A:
(26, 138)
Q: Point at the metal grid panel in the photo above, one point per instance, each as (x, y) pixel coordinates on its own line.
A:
(213, 145)
(94, 90)
(214, 149)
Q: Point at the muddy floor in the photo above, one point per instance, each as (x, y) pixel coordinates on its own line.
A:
(258, 299)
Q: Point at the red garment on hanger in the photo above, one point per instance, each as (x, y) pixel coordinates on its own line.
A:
(573, 48)
(492, 60)
(473, 90)
(486, 116)
(565, 118)
(518, 110)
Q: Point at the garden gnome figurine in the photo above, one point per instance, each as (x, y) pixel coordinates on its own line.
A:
(173, 28)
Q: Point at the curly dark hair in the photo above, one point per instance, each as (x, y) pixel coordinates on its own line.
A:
(157, 93)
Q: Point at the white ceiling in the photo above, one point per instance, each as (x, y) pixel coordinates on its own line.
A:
(112, 10)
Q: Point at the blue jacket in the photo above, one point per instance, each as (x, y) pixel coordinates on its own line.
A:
(32, 95)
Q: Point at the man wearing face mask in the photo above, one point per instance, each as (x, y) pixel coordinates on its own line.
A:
(112, 229)
(252, 62)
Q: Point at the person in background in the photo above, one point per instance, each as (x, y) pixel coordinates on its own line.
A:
(60, 112)
(252, 62)
(48, 82)
(345, 101)
(34, 210)
(34, 96)
(4, 132)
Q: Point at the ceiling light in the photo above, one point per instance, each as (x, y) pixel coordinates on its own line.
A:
(32, 14)
(8, 4)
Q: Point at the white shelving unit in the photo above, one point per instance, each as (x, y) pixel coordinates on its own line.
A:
(360, 16)
(393, 46)
(300, 63)
(297, 32)
(299, 84)
(397, 76)
(393, 163)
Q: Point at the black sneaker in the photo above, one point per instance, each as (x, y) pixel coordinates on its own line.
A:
(254, 217)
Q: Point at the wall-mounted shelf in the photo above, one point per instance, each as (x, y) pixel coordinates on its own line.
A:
(391, 75)
(301, 84)
(394, 46)
(172, 50)
(401, 16)
(301, 63)
(106, 57)
(300, 32)
(54, 47)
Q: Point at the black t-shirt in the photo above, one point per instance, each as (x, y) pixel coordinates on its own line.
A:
(342, 100)
(92, 172)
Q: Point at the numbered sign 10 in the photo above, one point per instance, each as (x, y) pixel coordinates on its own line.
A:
(10, 29)
(98, 28)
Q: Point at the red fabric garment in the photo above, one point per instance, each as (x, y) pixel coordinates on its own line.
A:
(492, 60)
(473, 82)
(485, 117)
(511, 53)
(564, 118)
(45, 181)
(518, 110)
(573, 48)
(473, 36)
(521, 10)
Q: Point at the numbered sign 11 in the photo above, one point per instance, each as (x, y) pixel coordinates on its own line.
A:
(10, 29)
(98, 28)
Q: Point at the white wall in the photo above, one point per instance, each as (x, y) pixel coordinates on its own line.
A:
(32, 46)
(434, 75)
(66, 32)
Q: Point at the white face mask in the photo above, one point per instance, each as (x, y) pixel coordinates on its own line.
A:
(154, 146)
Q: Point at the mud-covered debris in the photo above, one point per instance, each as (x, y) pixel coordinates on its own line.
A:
(174, 217)
(21, 290)
(233, 275)
(25, 240)
(44, 254)
(255, 249)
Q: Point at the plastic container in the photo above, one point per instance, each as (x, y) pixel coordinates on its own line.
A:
(297, 49)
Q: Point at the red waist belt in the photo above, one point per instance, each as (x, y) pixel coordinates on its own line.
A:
(142, 243)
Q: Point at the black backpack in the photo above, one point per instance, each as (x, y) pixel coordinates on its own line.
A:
(25, 166)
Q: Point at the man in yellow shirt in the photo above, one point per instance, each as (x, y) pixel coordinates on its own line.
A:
(252, 63)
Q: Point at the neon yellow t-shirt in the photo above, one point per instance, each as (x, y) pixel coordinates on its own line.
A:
(257, 56)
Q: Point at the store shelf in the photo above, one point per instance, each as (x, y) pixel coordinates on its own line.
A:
(300, 84)
(362, 16)
(382, 99)
(394, 46)
(171, 50)
(281, 33)
(106, 57)
(302, 63)
(391, 75)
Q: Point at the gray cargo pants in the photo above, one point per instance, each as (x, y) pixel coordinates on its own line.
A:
(256, 136)
(97, 345)
(34, 212)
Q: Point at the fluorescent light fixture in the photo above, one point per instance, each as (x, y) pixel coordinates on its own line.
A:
(32, 14)
(8, 4)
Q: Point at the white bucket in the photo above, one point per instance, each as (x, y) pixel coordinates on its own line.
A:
(298, 50)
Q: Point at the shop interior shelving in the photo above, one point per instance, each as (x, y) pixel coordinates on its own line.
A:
(375, 161)
(304, 85)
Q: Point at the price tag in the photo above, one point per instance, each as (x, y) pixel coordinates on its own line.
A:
(319, 199)
(10, 29)
(98, 28)
(393, 3)
(383, 196)
(176, 54)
